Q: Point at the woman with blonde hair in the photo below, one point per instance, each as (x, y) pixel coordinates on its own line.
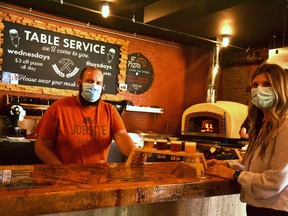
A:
(263, 173)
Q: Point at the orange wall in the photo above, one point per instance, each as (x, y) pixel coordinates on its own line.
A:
(180, 74)
(179, 81)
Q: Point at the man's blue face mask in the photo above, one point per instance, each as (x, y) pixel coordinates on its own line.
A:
(91, 92)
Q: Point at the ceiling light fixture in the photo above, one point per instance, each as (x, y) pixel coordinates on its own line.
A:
(225, 40)
(105, 9)
(133, 18)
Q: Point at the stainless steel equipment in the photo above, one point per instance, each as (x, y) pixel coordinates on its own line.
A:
(15, 113)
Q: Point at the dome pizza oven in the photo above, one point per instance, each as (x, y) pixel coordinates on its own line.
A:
(222, 119)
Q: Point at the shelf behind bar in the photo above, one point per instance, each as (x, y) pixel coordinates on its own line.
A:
(144, 109)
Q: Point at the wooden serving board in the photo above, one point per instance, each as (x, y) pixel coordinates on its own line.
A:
(199, 162)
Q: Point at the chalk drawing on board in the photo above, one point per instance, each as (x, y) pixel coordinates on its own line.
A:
(65, 65)
(139, 73)
(15, 39)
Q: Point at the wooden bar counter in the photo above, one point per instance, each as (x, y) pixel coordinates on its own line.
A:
(44, 189)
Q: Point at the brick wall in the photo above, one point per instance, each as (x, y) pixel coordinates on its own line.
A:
(180, 72)
(236, 81)
(236, 72)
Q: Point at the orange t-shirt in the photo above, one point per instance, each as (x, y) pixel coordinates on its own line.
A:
(80, 134)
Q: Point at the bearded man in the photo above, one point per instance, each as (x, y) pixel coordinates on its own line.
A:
(79, 129)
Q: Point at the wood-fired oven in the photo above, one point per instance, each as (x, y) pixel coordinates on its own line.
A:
(222, 119)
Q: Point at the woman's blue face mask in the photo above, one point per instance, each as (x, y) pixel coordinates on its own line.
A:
(263, 97)
(91, 91)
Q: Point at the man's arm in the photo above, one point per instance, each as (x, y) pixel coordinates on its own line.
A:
(124, 142)
(44, 151)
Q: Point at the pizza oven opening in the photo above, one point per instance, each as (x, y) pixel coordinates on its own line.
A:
(205, 124)
(209, 126)
(222, 119)
(202, 125)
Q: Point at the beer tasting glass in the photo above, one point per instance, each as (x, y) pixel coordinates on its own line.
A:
(190, 147)
(161, 145)
(148, 144)
(176, 146)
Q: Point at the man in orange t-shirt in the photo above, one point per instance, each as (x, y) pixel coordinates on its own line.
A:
(79, 129)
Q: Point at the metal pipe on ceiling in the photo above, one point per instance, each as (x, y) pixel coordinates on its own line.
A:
(147, 25)
(144, 24)
(92, 28)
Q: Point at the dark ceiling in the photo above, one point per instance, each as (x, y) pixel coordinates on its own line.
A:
(251, 23)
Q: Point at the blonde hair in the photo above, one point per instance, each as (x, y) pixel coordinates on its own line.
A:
(278, 78)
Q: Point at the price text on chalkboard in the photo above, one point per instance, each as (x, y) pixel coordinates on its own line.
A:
(44, 58)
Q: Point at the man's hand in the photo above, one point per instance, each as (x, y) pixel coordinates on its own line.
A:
(139, 158)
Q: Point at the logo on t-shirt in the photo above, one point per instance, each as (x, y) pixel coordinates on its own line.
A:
(88, 127)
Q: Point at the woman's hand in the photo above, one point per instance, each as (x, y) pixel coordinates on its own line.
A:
(220, 170)
(216, 162)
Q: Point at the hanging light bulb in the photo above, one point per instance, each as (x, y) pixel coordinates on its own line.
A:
(225, 40)
(105, 9)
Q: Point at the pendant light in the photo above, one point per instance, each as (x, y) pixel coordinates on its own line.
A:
(105, 9)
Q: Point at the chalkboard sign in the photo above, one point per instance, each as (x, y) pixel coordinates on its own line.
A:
(44, 58)
(139, 73)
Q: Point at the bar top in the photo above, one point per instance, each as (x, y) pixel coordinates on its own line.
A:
(44, 189)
